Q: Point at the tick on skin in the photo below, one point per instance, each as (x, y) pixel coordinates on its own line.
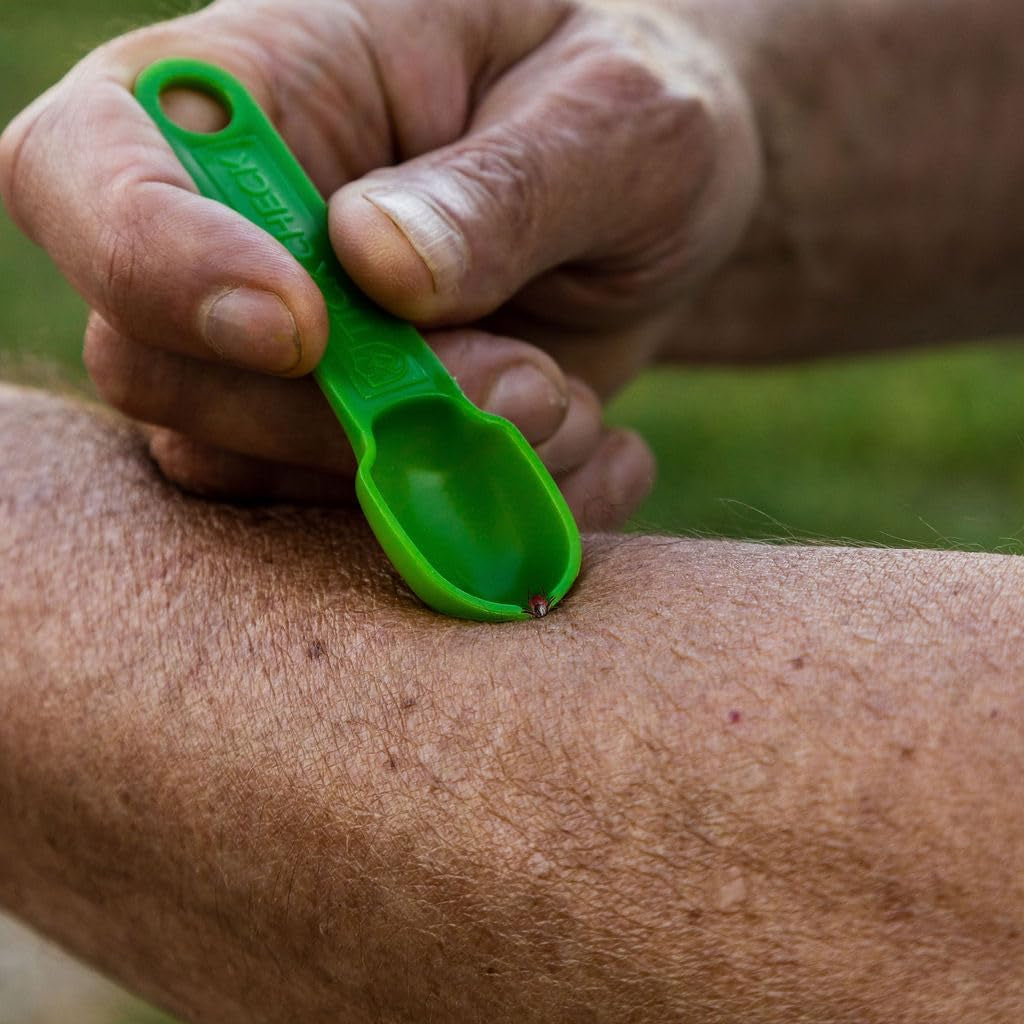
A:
(538, 606)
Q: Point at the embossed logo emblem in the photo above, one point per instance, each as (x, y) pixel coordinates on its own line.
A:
(377, 367)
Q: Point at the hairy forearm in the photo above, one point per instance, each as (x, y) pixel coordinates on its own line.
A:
(243, 770)
(894, 176)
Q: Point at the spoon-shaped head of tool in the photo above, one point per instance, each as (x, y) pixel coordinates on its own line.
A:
(473, 523)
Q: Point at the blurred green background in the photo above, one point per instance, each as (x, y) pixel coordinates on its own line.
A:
(922, 449)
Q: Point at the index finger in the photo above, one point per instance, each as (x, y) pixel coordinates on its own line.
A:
(88, 176)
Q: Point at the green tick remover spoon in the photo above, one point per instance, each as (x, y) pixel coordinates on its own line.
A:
(458, 499)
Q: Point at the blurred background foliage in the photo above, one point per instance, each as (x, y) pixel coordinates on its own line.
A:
(921, 449)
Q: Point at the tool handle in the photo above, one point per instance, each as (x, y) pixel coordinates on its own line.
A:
(373, 360)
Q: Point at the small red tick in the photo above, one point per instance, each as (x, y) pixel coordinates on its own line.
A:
(538, 606)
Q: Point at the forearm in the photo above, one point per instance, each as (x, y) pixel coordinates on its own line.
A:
(243, 770)
(894, 176)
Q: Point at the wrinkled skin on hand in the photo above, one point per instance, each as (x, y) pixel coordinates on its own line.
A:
(538, 184)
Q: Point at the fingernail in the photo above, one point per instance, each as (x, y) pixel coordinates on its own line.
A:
(531, 399)
(253, 328)
(437, 241)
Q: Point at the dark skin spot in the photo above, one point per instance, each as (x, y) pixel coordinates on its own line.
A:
(906, 753)
(735, 717)
(897, 904)
(797, 663)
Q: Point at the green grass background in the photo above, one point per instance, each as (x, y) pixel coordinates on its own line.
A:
(923, 449)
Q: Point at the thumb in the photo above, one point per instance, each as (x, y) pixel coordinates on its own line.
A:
(452, 235)
(582, 155)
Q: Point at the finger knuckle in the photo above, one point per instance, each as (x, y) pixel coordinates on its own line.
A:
(10, 145)
(110, 367)
(504, 170)
(129, 48)
(118, 270)
(699, 129)
(15, 166)
(667, 105)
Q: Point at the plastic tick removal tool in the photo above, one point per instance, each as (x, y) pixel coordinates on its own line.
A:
(458, 499)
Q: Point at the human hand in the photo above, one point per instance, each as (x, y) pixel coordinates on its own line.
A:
(561, 172)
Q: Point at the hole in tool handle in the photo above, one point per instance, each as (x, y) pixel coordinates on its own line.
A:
(194, 110)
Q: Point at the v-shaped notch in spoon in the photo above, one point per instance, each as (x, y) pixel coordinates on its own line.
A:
(458, 499)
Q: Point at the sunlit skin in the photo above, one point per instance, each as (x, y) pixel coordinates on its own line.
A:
(244, 771)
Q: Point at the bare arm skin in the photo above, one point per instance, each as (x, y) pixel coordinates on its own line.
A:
(893, 204)
(243, 771)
